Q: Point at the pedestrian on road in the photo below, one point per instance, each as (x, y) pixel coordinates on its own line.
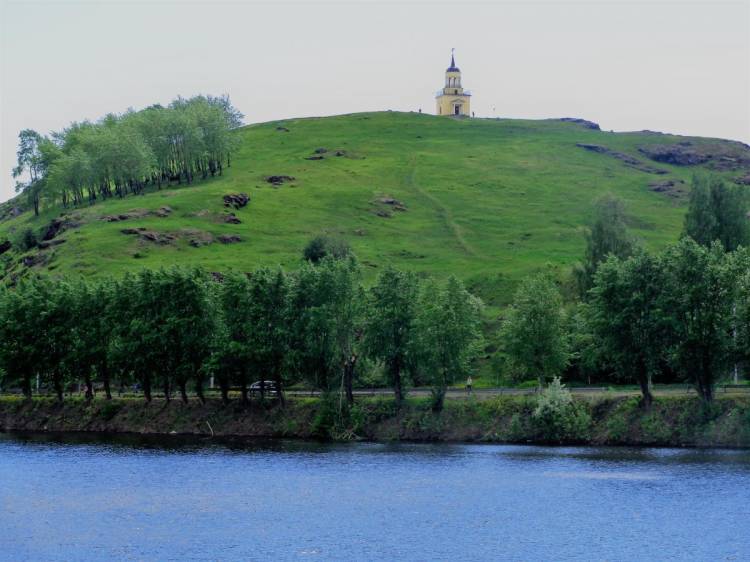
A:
(469, 384)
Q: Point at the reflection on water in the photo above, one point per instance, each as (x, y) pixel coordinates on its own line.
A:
(88, 497)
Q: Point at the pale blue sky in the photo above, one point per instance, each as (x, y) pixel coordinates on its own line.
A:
(676, 66)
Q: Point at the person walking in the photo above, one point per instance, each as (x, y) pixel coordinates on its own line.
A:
(469, 384)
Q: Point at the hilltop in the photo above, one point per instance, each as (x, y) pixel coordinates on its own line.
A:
(489, 200)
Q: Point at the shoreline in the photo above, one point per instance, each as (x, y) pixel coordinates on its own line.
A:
(619, 421)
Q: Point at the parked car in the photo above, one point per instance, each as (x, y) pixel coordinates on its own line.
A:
(270, 388)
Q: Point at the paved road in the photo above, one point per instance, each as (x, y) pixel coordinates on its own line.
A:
(490, 392)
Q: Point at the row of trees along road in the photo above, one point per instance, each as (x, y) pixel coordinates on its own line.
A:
(169, 328)
(684, 312)
(122, 154)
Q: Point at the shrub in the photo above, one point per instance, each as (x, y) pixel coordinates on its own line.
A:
(557, 417)
(326, 246)
(28, 240)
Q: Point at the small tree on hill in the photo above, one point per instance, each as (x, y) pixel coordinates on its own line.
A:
(717, 211)
(326, 246)
(608, 236)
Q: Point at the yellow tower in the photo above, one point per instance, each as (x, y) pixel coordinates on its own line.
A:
(453, 99)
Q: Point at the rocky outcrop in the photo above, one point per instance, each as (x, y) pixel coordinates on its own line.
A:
(582, 122)
(671, 188)
(395, 204)
(161, 212)
(229, 239)
(279, 180)
(161, 238)
(237, 200)
(681, 154)
(717, 155)
(59, 225)
(626, 159)
(231, 218)
(44, 244)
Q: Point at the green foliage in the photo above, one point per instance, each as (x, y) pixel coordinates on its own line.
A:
(123, 154)
(448, 335)
(699, 289)
(489, 201)
(717, 212)
(326, 246)
(390, 334)
(534, 331)
(110, 410)
(28, 240)
(608, 236)
(630, 317)
(558, 417)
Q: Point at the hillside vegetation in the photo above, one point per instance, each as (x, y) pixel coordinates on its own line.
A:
(488, 200)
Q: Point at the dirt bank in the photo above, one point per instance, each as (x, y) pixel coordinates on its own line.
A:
(672, 421)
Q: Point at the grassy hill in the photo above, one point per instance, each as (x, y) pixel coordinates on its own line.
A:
(487, 200)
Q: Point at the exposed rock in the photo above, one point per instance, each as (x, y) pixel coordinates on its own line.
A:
(383, 213)
(395, 203)
(717, 155)
(743, 180)
(136, 214)
(586, 124)
(360, 232)
(314, 158)
(157, 237)
(681, 154)
(58, 226)
(53, 229)
(320, 150)
(671, 188)
(198, 241)
(5, 246)
(278, 180)
(49, 243)
(231, 218)
(132, 230)
(340, 153)
(625, 158)
(161, 238)
(163, 211)
(229, 239)
(238, 200)
(282, 129)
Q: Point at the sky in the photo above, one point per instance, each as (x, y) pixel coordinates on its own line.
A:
(674, 66)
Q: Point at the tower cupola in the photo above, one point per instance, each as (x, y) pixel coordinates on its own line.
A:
(453, 99)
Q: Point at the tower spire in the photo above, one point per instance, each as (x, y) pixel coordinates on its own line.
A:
(453, 62)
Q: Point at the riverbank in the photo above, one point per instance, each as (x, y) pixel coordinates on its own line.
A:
(671, 421)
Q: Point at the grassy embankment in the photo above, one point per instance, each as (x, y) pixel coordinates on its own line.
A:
(488, 200)
(672, 421)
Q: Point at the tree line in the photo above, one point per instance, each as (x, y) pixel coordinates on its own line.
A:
(171, 329)
(679, 315)
(123, 154)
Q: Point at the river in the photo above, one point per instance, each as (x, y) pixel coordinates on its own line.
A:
(71, 497)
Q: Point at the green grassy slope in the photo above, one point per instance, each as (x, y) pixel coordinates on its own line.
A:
(488, 200)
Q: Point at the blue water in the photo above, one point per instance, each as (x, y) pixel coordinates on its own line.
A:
(79, 498)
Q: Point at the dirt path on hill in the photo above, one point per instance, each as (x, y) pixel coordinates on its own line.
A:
(444, 212)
